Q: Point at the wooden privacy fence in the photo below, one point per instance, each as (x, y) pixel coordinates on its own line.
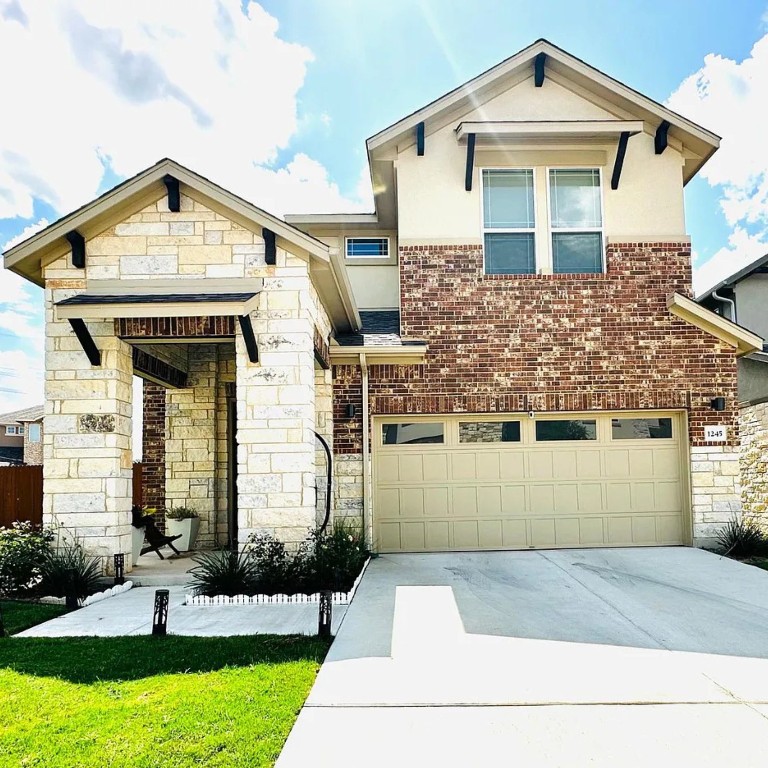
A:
(21, 493)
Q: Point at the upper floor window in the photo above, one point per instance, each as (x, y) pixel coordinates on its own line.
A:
(367, 247)
(34, 433)
(509, 222)
(566, 238)
(576, 220)
(12, 430)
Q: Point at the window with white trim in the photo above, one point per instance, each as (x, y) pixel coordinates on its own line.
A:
(576, 220)
(11, 430)
(569, 239)
(34, 433)
(509, 221)
(367, 247)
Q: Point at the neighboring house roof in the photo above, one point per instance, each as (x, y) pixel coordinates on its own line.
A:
(759, 265)
(11, 455)
(24, 415)
(379, 328)
(687, 309)
(28, 257)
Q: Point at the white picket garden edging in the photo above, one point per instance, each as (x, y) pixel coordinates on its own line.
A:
(337, 598)
(97, 597)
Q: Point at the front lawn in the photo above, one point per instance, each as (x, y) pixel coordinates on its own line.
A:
(147, 701)
(18, 615)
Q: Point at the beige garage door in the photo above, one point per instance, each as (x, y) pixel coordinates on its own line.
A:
(513, 482)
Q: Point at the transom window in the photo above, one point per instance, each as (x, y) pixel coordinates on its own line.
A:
(570, 240)
(367, 247)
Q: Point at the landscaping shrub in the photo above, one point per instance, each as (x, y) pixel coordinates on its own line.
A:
(69, 572)
(223, 573)
(743, 537)
(335, 558)
(23, 549)
(180, 513)
(329, 560)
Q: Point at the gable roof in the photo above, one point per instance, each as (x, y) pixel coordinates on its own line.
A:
(25, 414)
(756, 266)
(698, 142)
(28, 257)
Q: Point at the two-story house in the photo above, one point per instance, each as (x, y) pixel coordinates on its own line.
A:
(743, 298)
(21, 436)
(504, 354)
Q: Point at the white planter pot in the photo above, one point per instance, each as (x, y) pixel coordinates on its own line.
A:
(137, 541)
(187, 528)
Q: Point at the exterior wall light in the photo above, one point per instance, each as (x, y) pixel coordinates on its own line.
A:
(350, 411)
(717, 403)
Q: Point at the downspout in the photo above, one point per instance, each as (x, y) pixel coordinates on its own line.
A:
(726, 301)
(367, 522)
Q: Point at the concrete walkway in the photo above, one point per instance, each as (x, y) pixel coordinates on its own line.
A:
(131, 614)
(561, 658)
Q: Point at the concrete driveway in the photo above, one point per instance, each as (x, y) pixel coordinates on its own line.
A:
(601, 657)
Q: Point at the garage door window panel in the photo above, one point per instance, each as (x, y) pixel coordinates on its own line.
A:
(489, 431)
(410, 433)
(641, 429)
(566, 429)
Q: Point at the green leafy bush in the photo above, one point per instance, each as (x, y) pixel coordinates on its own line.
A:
(69, 572)
(223, 573)
(180, 513)
(331, 560)
(23, 549)
(743, 537)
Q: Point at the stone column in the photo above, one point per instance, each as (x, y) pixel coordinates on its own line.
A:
(87, 467)
(276, 410)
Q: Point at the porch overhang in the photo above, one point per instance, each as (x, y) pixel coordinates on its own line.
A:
(407, 354)
(744, 341)
(184, 301)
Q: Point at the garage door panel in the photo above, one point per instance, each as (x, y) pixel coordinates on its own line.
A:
(514, 534)
(512, 464)
(465, 501)
(543, 533)
(489, 500)
(513, 500)
(591, 531)
(412, 536)
(644, 529)
(614, 491)
(435, 467)
(465, 534)
(589, 465)
(436, 502)
(463, 466)
(542, 499)
(490, 534)
(438, 534)
(540, 465)
(590, 497)
(488, 465)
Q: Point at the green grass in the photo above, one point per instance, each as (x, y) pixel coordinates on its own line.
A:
(18, 616)
(147, 701)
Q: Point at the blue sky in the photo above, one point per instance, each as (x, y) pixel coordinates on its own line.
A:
(275, 101)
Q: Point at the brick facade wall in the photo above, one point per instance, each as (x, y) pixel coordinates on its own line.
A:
(546, 342)
(153, 448)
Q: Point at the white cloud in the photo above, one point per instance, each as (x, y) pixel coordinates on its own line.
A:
(21, 380)
(729, 98)
(124, 84)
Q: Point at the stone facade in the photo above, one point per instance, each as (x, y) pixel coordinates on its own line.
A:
(33, 449)
(515, 343)
(716, 490)
(753, 430)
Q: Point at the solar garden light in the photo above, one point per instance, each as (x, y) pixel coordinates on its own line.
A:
(324, 617)
(120, 568)
(160, 617)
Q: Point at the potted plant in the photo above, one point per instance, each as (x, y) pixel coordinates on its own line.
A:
(185, 522)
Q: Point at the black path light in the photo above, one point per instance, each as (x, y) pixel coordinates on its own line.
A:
(119, 568)
(160, 617)
(325, 612)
